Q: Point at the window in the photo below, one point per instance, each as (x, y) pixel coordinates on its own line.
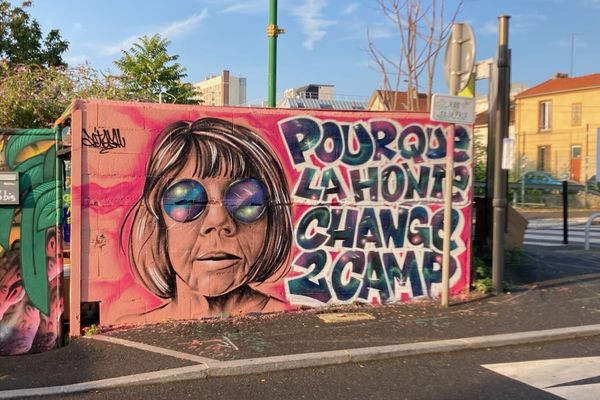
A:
(545, 115)
(543, 159)
(576, 114)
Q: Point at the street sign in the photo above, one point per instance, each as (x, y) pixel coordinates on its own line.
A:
(9, 188)
(508, 153)
(452, 109)
(466, 53)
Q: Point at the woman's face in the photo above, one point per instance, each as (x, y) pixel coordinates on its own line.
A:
(210, 250)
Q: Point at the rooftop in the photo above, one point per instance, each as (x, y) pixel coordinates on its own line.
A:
(562, 83)
(398, 101)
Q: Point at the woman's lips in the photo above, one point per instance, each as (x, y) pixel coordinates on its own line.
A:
(218, 256)
(218, 260)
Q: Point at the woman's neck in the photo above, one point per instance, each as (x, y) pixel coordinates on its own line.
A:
(242, 300)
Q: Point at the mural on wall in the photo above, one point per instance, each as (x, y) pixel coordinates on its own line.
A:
(373, 231)
(30, 262)
(196, 211)
(215, 217)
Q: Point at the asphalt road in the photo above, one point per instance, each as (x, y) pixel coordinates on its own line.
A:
(459, 375)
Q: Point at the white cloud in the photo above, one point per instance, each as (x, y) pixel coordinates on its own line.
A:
(382, 32)
(237, 6)
(351, 8)
(246, 7)
(180, 27)
(77, 60)
(490, 28)
(527, 22)
(313, 24)
(518, 23)
(109, 50)
(174, 29)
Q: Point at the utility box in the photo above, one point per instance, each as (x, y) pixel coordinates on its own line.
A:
(9, 188)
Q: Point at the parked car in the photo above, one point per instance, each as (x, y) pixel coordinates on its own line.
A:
(593, 184)
(539, 178)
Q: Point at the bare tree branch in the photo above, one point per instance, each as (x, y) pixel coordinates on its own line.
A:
(422, 32)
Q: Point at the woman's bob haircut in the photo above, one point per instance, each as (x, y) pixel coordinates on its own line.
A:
(219, 148)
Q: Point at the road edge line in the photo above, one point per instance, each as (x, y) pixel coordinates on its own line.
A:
(316, 359)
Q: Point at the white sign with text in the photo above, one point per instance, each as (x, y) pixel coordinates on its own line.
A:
(453, 109)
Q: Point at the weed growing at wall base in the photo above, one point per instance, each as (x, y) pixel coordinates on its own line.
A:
(481, 265)
(92, 330)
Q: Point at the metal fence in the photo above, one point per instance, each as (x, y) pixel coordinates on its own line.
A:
(546, 196)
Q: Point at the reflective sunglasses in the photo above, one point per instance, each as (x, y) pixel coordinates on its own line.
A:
(245, 200)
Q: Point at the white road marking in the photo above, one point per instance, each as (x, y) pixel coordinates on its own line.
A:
(581, 392)
(547, 375)
(554, 236)
(153, 349)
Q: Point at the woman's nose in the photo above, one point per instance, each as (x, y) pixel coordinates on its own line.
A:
(218, 220)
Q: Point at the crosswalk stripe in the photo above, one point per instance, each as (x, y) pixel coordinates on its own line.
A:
(561, 377)
(542, 236)
(554, 236)
(559, 232)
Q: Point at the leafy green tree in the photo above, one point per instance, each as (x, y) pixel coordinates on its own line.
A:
(21, 39)
(34, 97)
(480, 160)
(149, 72)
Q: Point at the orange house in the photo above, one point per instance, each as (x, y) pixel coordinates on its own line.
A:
(556, 125)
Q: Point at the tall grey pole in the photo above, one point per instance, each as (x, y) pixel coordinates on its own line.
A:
(500, 176)
(454, 82)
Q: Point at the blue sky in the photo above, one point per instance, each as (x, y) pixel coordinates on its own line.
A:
(325, 40)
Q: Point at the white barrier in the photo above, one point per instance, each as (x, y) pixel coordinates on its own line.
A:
(588, 225)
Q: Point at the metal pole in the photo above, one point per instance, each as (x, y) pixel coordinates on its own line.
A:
(587, 160)
(272, 32)
(453, 86)
(565, 195)
(499, 202)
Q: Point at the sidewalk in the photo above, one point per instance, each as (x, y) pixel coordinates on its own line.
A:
(558, 297)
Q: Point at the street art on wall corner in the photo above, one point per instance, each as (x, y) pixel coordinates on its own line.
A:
(191, 212)
(30, 257)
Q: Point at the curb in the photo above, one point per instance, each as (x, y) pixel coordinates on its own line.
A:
(307, 360)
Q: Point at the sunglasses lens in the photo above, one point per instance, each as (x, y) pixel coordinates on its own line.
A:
(184, 200)
(246, 200)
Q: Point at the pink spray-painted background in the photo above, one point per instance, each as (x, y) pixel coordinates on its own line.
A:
(112, 181)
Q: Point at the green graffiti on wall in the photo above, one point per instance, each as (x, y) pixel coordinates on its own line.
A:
(31, 152)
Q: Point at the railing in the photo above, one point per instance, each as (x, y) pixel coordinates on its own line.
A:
(545, 196)
(588, 226)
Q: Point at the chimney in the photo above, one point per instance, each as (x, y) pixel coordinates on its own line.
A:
(560, 75)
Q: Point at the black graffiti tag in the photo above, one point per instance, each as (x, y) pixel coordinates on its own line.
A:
(104, 140)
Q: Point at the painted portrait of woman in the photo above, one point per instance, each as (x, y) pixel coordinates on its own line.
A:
(213, 222)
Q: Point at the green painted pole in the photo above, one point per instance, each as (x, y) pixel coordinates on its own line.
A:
(272, 32)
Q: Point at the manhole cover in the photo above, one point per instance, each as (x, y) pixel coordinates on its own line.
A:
(331, 318)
